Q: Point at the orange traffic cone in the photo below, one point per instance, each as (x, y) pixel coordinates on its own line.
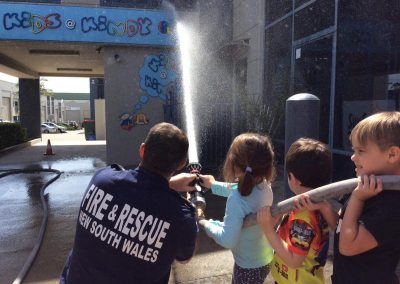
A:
(49, 149)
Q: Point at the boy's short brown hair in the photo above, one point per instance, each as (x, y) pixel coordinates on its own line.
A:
(382, 128)
(310, 161)
(166, 146)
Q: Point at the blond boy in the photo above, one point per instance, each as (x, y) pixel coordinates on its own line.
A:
(367, 239)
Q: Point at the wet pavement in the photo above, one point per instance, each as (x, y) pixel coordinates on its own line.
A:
(21, 212)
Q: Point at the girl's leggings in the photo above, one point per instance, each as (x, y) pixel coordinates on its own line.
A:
(249, 275)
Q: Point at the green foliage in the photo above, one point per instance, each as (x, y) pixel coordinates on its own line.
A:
(43, 90)
(254, 115)
(11, 134)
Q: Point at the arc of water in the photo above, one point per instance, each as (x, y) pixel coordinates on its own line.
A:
(186, 63)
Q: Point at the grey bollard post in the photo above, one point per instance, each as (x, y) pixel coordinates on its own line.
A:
(301, 120)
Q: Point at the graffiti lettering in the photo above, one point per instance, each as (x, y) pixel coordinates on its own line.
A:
(154, 64)
(11, 20)
(39, 23)
(145, 24)
(132, 27)
(25, 20)
(116, 28)
(153, 84)
(90, 24)
(122, 28)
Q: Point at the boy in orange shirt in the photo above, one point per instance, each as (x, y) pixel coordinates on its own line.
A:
(301, 243)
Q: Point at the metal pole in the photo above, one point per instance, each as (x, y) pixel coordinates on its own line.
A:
(301, 120)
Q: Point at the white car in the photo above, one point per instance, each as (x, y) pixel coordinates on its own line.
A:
(58, 128)
(48, 129)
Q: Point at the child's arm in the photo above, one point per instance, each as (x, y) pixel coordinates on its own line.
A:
(227, 233)
(218, 188)
(354, 238)
(331, 216)
(267, 223)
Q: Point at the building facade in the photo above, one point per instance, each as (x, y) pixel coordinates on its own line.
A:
(9, 102)
(130, 45)
(344, 52)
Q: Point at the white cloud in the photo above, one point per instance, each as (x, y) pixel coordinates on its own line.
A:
(58, 84)
(8, 78)
(67, 84)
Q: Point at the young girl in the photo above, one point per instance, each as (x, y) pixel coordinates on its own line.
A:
(249, 163)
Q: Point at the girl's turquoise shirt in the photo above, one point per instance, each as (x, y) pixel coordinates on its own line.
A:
(249, 246)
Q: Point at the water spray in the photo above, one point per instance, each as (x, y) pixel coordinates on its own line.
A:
(322, 193)
(197, 195)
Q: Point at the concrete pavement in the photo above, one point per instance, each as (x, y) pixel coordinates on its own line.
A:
(21, 215)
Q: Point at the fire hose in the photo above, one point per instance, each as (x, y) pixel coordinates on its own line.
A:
(316, 195)
(322, 193)
(29, 261)
(197, 196)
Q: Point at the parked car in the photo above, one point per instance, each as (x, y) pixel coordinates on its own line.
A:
(59, 128)
(66, 125)
(74, 124)
(48, 129)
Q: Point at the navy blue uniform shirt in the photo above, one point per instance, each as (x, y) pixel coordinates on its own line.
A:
(131, 226)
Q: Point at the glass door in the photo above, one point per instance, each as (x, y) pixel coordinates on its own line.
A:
(313, 74)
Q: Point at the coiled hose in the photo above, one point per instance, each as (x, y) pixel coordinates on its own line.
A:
(31, 258)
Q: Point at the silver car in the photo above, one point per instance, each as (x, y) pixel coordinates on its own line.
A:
(58, 128)
(48, 129)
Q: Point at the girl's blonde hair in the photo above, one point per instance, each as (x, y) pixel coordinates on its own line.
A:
(381, 128)
(249, 158)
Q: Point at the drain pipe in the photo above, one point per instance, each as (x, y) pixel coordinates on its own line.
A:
(31, 258)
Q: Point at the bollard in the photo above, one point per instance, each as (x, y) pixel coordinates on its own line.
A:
(301, 120)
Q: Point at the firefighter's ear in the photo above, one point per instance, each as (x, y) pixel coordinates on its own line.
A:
(182, 164)
(141, 150)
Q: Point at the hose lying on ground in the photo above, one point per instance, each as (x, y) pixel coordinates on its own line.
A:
(322, 193)
(29, 261)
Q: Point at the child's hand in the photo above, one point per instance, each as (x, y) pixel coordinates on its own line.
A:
(367, 187)
(265, 219)
(182, 182)
(303, 202)
(206, 180)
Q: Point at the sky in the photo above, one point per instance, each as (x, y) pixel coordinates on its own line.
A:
(58, 84)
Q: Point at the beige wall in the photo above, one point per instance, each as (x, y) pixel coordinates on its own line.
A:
(8, 95)
(100, 119)
(122, 91)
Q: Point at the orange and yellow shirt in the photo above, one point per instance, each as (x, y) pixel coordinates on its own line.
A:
(306, 233)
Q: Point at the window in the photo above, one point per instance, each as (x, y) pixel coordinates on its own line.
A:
(278, 46)
(368, 64)
(314, 18)
(275, 9)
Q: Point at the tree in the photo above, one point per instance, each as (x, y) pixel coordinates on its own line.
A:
(43, 90)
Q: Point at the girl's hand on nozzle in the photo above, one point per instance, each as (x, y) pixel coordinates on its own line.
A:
(367, 187)
(206, 180)
(265, 219)
(182, 182)
(303, 202)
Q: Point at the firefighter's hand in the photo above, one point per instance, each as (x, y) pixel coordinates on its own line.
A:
(182, 182)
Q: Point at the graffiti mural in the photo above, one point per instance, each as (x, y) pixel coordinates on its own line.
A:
(83, 24)
(159, 79)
